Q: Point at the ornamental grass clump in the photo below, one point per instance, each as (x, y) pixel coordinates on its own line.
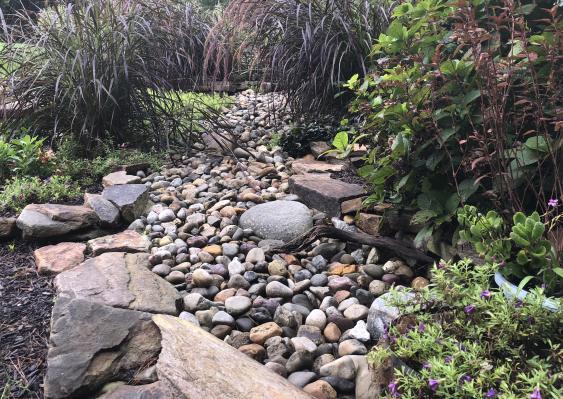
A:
(462, 338)
(304, 47)
(103, 70)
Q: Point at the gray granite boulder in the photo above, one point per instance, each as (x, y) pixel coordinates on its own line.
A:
(51, 220)
(91, 344)
(278, 220)
(106, 211)
(130, 199)
(119, 280)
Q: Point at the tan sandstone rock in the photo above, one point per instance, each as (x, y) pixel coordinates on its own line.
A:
(127, 241)
(54, 259)
(194, 364)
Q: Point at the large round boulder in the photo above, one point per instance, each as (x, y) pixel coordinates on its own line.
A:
(278, 220)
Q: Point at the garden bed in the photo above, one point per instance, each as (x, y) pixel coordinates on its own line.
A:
(27, 299)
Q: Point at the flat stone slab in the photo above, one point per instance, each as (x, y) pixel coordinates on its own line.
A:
(91, 344)
(156, 390)
(106, 211)
(195, 364)
(321, 192)
(52, 220)
(120, 177)
(119, 280)
(54, 259)
(128, 241)
(302, 166)
(278, 220)
(130, 199)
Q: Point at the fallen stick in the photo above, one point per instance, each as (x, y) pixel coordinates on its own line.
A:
(399, 248)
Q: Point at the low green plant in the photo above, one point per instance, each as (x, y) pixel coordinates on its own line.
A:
(461, 338)
(88, 172)
(21, 191)
(275, 140)
(23, 156)
(522, 248)
(345, 140)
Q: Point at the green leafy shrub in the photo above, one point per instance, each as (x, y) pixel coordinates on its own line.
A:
(304, 47)
(522, 248)
(462, 338)
(21, 191)
(23, 156)
(461, 99)
(104, 70)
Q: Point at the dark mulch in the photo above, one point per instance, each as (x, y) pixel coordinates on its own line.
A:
(26, 300)
(349, 176)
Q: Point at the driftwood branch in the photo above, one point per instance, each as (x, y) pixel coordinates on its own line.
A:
(399, 248)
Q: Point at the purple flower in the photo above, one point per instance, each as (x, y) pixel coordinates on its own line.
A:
(553, 202)
(441, 265)
(448, 359)
(421, 327)
(469, 309)
(466, 378)
(491, 393)
(536, 394)
(518, 303)
(433, 384)
(486, 294)
(393, 389)
(426, 366)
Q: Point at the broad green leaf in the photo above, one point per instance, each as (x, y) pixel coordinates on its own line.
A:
(524, 281)
(526, 156)
(448, 132)
(399, 145)
(422, 216)
(452, 203)
(537, 143)
(471, 96)
(466, 189)
(525, 9)
(341, 141)
(558, 271)
(423, 235)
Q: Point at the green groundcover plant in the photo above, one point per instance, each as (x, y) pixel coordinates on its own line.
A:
(520, 247)
(461, 338)
(20, 191)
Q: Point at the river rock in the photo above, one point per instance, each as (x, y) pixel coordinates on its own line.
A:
(119, 177)
(278, 220)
